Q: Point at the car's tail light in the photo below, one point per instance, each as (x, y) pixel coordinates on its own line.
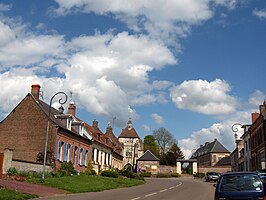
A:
(264, 198)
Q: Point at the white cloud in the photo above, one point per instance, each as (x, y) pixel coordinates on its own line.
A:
(161, 19)
(259, 13)
(146, 128)
(256, 98)
(222, 131)
(101, 70)
(5, 7)
(157, 118)
(205, 97)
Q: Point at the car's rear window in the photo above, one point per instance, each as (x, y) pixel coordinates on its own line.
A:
(212, 173)
(234, 183)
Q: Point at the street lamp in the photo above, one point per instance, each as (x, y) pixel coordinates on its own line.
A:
(61, 109)
(235, 129)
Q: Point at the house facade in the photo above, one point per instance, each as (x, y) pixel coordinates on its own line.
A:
(132, 144)
(209, 155)
(23, 135)
(148, 162)
(258, 139)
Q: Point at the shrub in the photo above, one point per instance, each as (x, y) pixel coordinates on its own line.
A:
(12, 171)
(145, 174)
(90, 170)
(110, 173)
(198, 175)
(129, 174)
(67, 169)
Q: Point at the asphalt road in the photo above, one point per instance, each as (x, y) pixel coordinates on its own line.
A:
(155, 189)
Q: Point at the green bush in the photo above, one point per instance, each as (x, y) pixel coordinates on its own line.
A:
(90, 170)
(110, 173)
(129, 174)
(198, 175)
(12, 171)
(145, 174)
(67, 169)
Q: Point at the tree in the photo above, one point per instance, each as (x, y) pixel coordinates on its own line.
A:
(164, 139)
(173, 154)
(150, 144)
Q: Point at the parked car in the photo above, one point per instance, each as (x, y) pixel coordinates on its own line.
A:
(262, 175)
(239, 185)
(211, 176)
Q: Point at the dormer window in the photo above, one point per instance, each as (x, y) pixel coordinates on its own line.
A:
(99, 136)
(69, 124)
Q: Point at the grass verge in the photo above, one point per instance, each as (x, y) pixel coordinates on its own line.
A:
(85, 183)
(6, 194)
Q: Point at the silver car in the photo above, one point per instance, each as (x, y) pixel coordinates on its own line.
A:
(212, 176)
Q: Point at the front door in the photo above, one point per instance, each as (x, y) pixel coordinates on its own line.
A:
(1, 164)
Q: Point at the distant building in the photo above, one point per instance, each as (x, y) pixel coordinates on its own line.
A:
(209, 155)
(148, 162)
(132, 144)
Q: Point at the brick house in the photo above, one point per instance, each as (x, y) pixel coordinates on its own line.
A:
(117, 152)
(23, 136)
(258, 139)
(104, 154)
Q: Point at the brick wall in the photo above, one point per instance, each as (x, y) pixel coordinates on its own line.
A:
(24, 131)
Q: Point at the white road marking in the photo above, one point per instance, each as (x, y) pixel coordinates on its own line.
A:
(135, 198)
(150, 194)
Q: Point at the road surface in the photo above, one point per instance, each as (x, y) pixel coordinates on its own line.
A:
(154, 189)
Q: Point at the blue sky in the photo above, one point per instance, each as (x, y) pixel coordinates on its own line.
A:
(194, 67)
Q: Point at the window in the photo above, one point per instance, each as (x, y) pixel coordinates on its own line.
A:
(75, 155)
(84, 160)
(59, 150)
(66, 148)
(80, 156)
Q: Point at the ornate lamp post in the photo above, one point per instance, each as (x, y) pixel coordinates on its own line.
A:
(235, 129)
(61, 109)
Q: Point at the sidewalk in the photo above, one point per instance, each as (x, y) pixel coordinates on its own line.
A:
(29, 188)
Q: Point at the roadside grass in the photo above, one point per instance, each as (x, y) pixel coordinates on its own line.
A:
(6, 194)
(85, 183)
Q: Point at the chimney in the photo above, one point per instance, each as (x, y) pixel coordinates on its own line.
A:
(263, 109)
(35, 91)
(72, 108)
(254, 116)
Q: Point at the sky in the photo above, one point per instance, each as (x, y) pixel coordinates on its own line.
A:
(194, 67)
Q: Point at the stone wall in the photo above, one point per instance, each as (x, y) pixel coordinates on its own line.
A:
(23, 166)
(167, 168)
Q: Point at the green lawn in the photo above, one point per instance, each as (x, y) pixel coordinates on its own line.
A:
(85, 183)
(6, 194)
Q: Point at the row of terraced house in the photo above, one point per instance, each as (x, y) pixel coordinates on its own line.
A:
(249, 154)
(34, 128)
